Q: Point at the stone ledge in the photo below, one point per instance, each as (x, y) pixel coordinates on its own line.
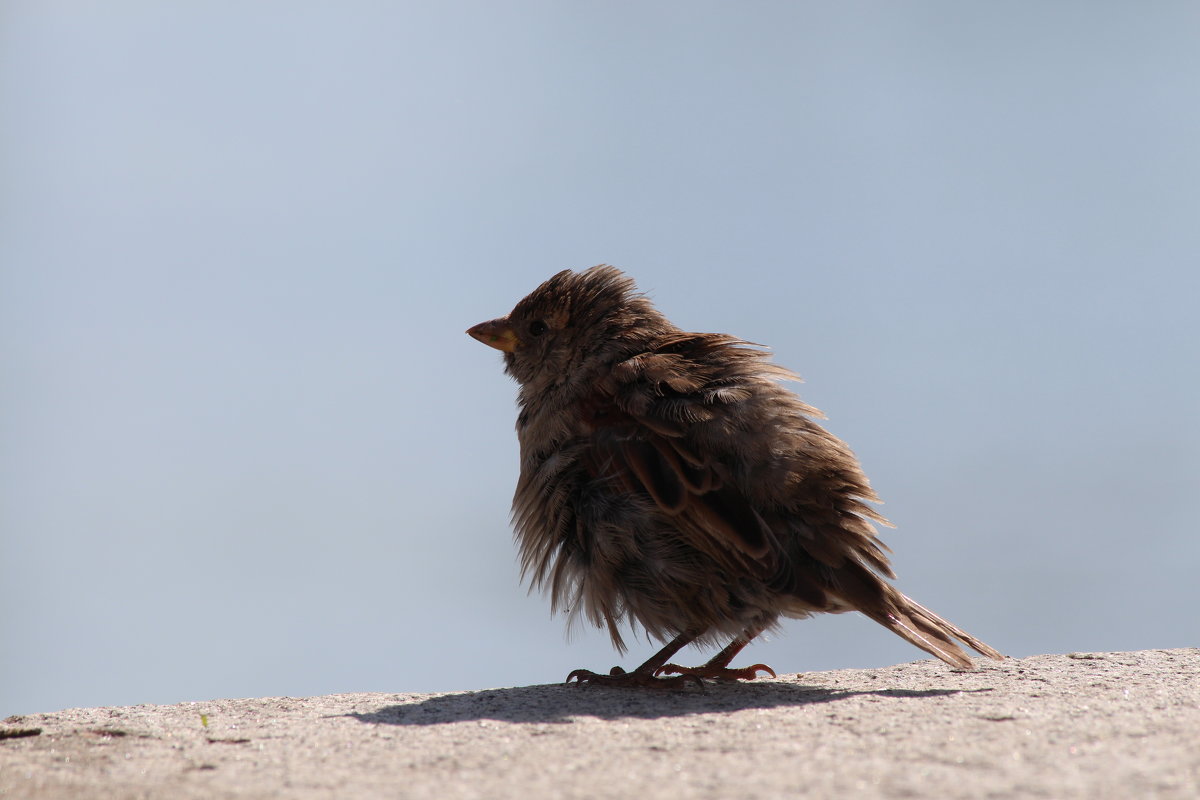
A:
(1077, 725)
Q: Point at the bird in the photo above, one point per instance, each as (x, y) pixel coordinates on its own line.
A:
(670, 482)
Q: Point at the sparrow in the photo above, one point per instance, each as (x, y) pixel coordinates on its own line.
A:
(668, 481)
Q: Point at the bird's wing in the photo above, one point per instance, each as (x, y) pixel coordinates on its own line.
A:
(639, 421)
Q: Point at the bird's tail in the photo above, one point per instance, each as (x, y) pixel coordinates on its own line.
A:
(910, 620)
(918, 625)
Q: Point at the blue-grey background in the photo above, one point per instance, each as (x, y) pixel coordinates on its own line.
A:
(247, 449)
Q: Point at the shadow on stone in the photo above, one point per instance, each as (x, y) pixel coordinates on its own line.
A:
(558, 703)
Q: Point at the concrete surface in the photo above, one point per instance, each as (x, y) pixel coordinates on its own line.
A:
(1096, 725)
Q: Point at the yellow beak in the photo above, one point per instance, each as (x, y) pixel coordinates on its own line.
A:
(496, 333)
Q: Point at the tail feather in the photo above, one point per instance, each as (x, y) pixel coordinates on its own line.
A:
(908, 619)
(918, 625)
(953, 630)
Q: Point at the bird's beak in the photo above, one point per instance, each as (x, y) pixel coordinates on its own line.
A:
(497, 333)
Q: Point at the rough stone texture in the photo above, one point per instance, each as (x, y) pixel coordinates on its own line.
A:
(1090, 725)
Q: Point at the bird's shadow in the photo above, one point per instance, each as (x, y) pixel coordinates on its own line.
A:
(556, 703)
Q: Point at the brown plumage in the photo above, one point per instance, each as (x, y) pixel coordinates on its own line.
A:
(668, 480)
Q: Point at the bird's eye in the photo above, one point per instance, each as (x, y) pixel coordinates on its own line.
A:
(537, 327)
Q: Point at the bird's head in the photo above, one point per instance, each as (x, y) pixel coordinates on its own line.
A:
(572, 326)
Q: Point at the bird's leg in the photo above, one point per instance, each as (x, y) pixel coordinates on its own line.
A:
(718, 668)
(645, 675)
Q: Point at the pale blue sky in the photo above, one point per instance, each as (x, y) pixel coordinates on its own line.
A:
(247, 449)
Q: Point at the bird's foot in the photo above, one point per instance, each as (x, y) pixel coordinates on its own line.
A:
(716, 673)
(637, 679)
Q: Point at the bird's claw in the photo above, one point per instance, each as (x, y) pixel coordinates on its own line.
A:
(619, 678)
(717, 673)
